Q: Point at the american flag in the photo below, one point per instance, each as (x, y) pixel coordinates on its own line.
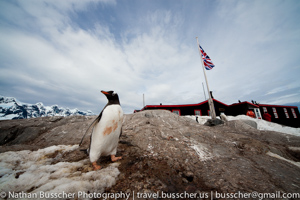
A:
(206, 59)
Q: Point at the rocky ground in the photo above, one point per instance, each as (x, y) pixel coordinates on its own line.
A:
(163, 152)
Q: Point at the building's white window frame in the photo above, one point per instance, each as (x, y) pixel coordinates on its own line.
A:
(275, 112)
(176, 111)
(257, 113)
(294, 113)
(286, 113)
(197, 110)
(265, 109)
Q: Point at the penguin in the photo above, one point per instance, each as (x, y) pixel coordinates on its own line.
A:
(107, 129)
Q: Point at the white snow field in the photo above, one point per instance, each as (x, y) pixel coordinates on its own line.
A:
(32, 172)
(261, 124)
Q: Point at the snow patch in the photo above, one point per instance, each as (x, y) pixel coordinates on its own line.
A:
(8, 117)
(261, 124)
(150, 149)
(201, 119)
(34, 172)
(268, 126)
(202, 152)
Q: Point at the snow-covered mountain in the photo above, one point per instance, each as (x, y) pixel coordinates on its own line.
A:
(11, 108)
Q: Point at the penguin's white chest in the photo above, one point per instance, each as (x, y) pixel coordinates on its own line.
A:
(105, 136)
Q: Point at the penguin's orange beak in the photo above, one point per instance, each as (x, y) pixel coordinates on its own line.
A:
(104, 92)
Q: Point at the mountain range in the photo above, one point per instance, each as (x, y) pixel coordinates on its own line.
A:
(11, 108)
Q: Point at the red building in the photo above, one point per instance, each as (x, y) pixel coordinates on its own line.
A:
(285, 115)
(191, 109)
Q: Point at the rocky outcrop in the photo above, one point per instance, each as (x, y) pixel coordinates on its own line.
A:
(165, 152)
(36, 133)
(227, 158)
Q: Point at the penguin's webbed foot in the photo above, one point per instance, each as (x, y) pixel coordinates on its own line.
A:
(96, 166)
(114, 158)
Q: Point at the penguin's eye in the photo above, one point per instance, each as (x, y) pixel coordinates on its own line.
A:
(113, 94)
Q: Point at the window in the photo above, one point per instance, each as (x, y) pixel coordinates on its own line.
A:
(265, 109)
(176, 112)
(294, 113)
(286, 113)
(197, 112)
(257, 113)
(275, 112)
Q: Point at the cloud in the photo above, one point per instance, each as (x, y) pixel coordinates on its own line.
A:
(72, 61)
(65, 52)
(255, 51)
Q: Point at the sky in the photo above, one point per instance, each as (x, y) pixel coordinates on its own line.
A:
(66, 52)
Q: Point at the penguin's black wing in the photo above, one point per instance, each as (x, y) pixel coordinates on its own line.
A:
(92, 125)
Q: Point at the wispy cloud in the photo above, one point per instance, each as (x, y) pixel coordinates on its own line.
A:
(65, 52)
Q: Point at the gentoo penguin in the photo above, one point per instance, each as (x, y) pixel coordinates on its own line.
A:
(106, 130)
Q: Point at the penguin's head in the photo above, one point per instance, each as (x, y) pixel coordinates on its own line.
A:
(111, 96)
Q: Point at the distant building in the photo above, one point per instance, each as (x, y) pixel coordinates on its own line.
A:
(285, 115)
(191, 109)
(242, 108)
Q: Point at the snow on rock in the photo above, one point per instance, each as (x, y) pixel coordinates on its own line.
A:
(268, 126)
(7, 117)
(201, 119)
(202, 152)
(38, 171)
(261, 124)
(200, 148)
(282, 158)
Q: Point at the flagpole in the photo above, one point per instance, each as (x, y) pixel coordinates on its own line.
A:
(204, 91)
(210, 101)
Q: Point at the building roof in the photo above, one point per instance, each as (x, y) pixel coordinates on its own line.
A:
(198, 104)
(268, 105)
(244, 102)
(180, 105)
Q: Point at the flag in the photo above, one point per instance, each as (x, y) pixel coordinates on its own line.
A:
(206, 59)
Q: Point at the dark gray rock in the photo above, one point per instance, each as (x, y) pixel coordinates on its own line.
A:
(213, 122)
(250, 123)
